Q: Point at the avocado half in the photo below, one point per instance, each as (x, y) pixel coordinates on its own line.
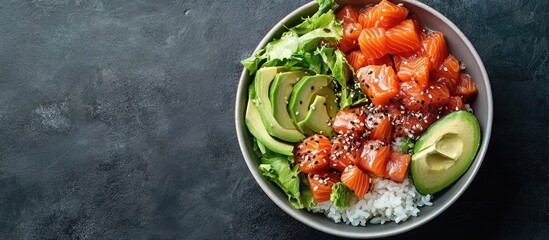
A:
(445, 151)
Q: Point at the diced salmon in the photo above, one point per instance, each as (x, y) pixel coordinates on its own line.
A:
(416, 69)
(321, 184)
(401, 57)
(346, 44)
(434, 47)
(437, 94)
(385, 60)
(466, 88)
(397, 166)
(313, 153)
(403, 38)
(346, 150)
(455, 104)
(352, 30)
(449, 69)
(385, 14)
(414, 123)
(374, 157)
(411, 95)
(349, 121)
(356, 180)
(379, 83)
(415, 97)
(356, 59)
(348, 14)
(372, 42)
(380, 127)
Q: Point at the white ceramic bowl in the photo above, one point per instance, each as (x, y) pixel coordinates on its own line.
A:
(459, 46)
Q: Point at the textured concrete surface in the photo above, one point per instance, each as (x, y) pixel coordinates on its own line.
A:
(117, 121)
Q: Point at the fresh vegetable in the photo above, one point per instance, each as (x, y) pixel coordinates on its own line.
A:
(445, 152)
(341, 195)
(292, 49)
(277, 168)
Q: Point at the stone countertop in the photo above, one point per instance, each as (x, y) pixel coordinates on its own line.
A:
(117, 121)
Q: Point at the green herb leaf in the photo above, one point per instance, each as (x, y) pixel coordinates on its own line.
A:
(341, 195)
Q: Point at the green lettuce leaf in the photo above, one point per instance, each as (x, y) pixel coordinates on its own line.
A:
(407, 145)
(341, 71)
(341, 195)
(306, 194)
(305, 37)
(277, 168)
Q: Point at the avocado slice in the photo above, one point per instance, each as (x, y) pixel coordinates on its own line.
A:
(304, 93)
(445, 151)
(258, 130)
(280, 92)
(331, 104)
(317, 118)
(261, 84)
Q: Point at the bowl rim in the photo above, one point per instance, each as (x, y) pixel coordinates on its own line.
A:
(297, 214)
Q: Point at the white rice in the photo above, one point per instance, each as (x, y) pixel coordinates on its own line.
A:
(387, 201)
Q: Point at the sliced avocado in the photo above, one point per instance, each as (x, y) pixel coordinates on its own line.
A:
(445, 151)
(304, 93)
(331, 102)
(280, 92)
(317, 118)
(303, 127)
(256, 127)
(262, 82)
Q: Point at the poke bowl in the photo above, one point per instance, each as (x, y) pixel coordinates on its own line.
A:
(428, 201)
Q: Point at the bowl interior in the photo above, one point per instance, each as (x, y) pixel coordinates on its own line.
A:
(459, 46)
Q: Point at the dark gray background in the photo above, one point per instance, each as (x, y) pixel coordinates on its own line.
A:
(117, 121)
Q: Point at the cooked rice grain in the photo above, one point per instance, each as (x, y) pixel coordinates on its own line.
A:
(387, 201)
